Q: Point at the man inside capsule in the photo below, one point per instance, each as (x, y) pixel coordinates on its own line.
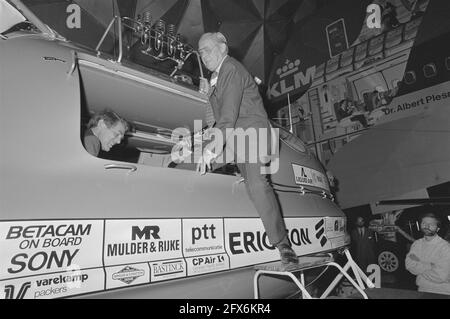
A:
(104, 130)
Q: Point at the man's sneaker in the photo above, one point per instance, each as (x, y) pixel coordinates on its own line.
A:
(288, 255)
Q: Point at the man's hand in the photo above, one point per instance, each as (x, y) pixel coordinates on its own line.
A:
(208, 156)
(207, 134)
(204, 86)
(331, 179)
(205, 161)
(181, 150)
(414, 257)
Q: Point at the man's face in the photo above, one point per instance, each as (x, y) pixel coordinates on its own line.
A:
(110, 136)
(360, 222)
(211, 53)
(429, 226)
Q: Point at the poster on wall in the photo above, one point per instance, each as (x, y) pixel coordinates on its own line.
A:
(337, 37)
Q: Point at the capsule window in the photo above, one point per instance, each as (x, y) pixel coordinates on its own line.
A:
(429, 70)
(410, 77)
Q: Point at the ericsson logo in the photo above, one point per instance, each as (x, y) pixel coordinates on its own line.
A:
(10, 289)
(320, 232)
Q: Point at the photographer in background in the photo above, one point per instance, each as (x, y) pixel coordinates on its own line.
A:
(429, 258)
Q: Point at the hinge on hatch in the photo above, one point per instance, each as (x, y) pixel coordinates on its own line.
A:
(74, 63)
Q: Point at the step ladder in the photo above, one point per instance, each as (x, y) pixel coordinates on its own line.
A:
(305, 263)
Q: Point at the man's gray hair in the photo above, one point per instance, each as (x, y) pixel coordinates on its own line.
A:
(217, 37)
(220, 37)
(109, 117)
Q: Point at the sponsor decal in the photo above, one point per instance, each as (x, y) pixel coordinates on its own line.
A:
(249, 241)
(309, 177)
(248, 244)
(334, 226)
(53, 285)
(62, 279)
(169, 269)
(10, 291)
(141, 251)
(307, 235)
(134, 241)
(320, 232)
(202, 237)
(207, 264)
(33, 247)
(246, 239)
(129, 275)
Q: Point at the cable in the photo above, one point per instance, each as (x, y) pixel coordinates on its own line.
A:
(309, 284)
(317, 278)
(114, 15)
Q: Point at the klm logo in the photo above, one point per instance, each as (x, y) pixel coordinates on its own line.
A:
(291, 78)
(10, 291)
(320, 232)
